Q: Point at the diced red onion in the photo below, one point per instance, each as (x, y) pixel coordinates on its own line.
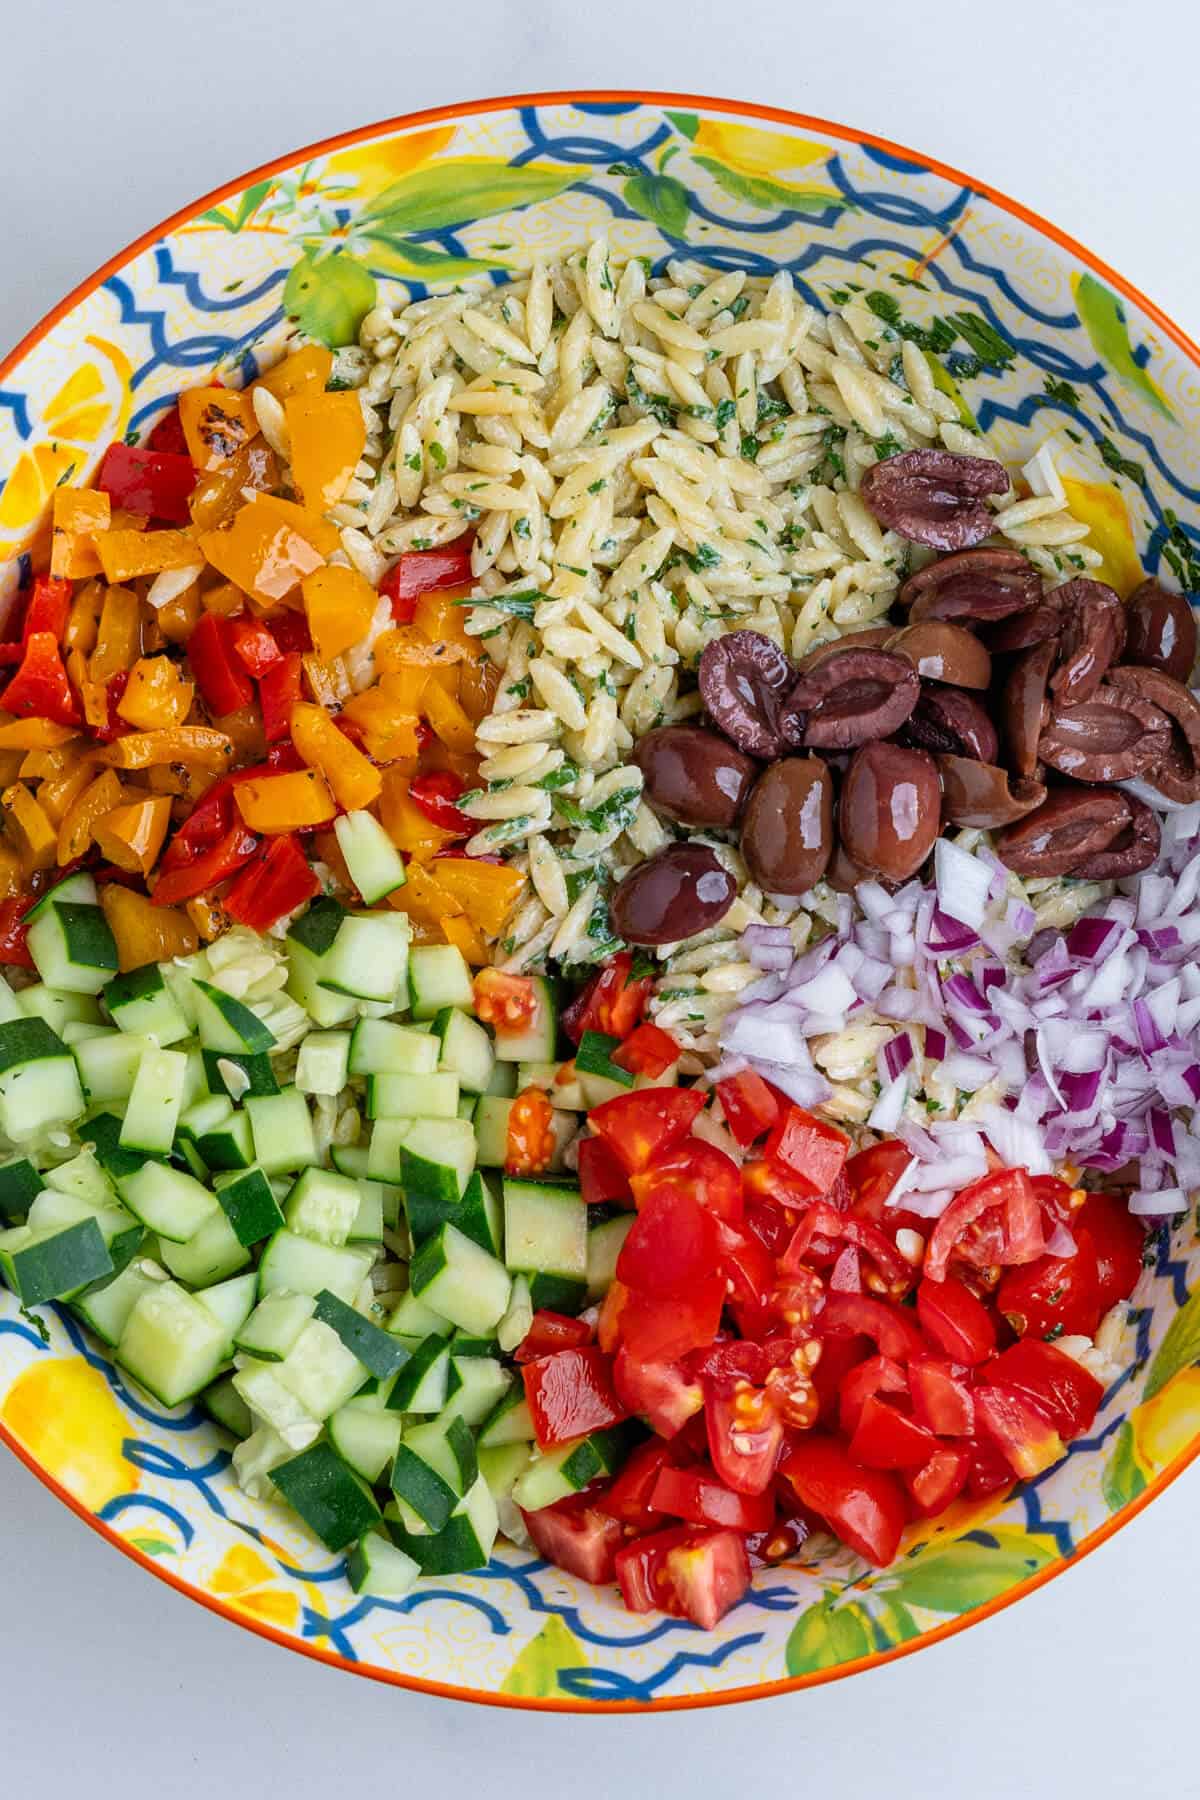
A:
(962, 883)
(1060, 1242)
(897, 1054)
(886, 1113)
(769, 946)
(1161, 1204)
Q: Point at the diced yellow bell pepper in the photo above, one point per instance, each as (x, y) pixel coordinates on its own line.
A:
(94, 694)
(424, 899)
(391, 733)
(478, 680)
(124, 555)
(274, 803)
(79, 514)
(353, 778)
(179, 617)
(244, 728)
(305, 368)
(181, 778)
(443, 620)
(460, 932)
(35, 836)
(157, 695)
(217, 423)
(118, 636)
(340, 604)
(327, 432)
(32, 734)
(405, 823)
(145, 933)
(262, 551)
(407, 647)
(10, 766)
(84, 621)
(58, 794)
(328, 682)
(208, 918)
(448, 719)
(75, 831)
(131, 836)
(181, 743)
(486, 891)
(49, 764)
(320, 533)
(12, 879)
(405, 687)
(224, 599)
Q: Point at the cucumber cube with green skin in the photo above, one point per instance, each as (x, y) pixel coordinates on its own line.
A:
(167, 1201)
(283, 1131)
(108, 1065)
(227, 1024)
(229, 1145)
(83, 1177)
(78, 887)
(375, 865)
(246, 1199)
(317, 927)
(274, 1325)
(153, 1109)
(323, 1007)
(213, 1254)
(303, 1266)
(438, 977)
(603, 1248)
(49, 1264)
(594, 1057)
(423, 1382)
(73, 947)
(385, 1161)
(477, 1215)
(557, 1293)
(172, 1344)
(368, 1441)
(566, 1470)
(140, 1002)
(415, 1321)
(369, 956)
(323, 1065)
(369, 1220)
(437, 1157)
(464, 1543)
(502, 1466)
(503, 1084)
(490, 1125)
(238, 1076)
(434, 1466)
(106, 1307)
(259, 1385)
(222, 1402)
(323, 1205)
(351, 1159)
(461, 1281)
(333, 1501)
(380, 1569)
(39, 1082)
(466, 1048)
(381, 1047)
(545, 1228)
(8, 1001)
(103, 1135)
(536, 1041)
(231, 1302)
(511, 1422)
(320, 1371)
(20, 1185)
(59, 1009)
(380, 1353)
(412, 1096)
(483, 1384)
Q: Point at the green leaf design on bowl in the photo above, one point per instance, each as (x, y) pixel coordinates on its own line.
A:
(535, 1673)
(329, 297)
(463, 189)
(970, 1571)
(756, 190)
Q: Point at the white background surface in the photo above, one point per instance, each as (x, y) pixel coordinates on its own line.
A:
(115, 114)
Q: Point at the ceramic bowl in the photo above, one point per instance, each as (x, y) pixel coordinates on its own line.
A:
(1053, 341)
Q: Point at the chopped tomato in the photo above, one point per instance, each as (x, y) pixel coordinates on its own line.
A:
(750, 1106)
(575, 1535)
(14, 932)
(672, 1244)
(877, 1375)
(941, 1396)
(694, 1167)
(530, 1145)
(995, 1220)
(891, 1327)
(688, 1573)
(659, 1328)
(612, 1002)
(810, 1152)
(1118, 1240)
(419, 572)
(941, 1479)
(955, 1320)
(570, 1394)
(1019, 1429)
(770, 1183)
(640, 1127)
(865, 1507)
(272, 886)
(990, 1470)
(507, 1001)
(1066, 1392)
(750, 1271)
(552, 1331)
(602, 1180)
(434, 794)
(887, 1438)
(696, 1495)
(628, 1496)
(647, 1051)
(663, 1393)
(1055, 1293)
(745, 1434)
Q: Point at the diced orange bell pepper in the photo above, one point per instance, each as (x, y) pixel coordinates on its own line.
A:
(478, 682)
(79, 514)
(180, 743)
(124, 555)
(407, 826)
(75, 831)
(208, 917)
(327, 432)
(10, 766)
(263, 552)
(217, 423)
(448, 719)
(218, 494)
(328, 682)
(424, 900)
(157, 695)
(58, 793)
(94, 694)
(390, 734)
(340, 604)
(273, 803)
(177, 619)
(32, 734)
(12, 879)
(405, 687)
(443, 620)
(181, 778)
(353, 778)
(131, 836)
(462, 934)
(244, 728)
(224, 599)
(487, 892)
(84, 621)
(36, 837)
(118, 636)
(406, 647)
(145, 933)
(305, 368)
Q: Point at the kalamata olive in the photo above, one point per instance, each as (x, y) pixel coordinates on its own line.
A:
(844, 874)
(1022, 630)
(941, 651)
(1093, 637)
(951, 721)
(694, 776)
(787, 833)
(889, 809)
(1161, 630)
(850, 698)
(1131, 851)
(672, 895)
(979, 585)
(934, 497)
(1070, 825)
(1024, 707)
(744, 680)
(870, 637)
(1111, 737)
(979, 794)
(1177, 775)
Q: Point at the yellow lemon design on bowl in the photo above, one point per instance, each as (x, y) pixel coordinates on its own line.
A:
(82, 417)
(62, 1411)
(1168, 1423)
(248, 1582)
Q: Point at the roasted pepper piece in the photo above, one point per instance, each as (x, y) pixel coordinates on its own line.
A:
(418, 572)
(423, 898)
(340, 604)
(327, 432)
(35, 835)
(75, 832)
(83, 623)
(272, 886)
(79, 513)
(390, 733)
(263, 552)
(217, 423)
(181, 743)
(443, 619)
(118, 636)
(153, 483)
(478, 680)
(218, 669)
(12, 879)
(352, 777)
(275, 803)
(40, 688)
(224, 599)
(58, 793)
(218, 494)
(124, 555)
(486, 891)
(328, 682)
(278, 692)
(409, 828)
(408, 648)
(310, 367)
(145, 933)
(131, 836)
(32, 734)
(156, 696)
(460, 932)
(448, 719)
(178, 618)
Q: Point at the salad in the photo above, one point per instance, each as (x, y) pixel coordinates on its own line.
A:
(455, 1238)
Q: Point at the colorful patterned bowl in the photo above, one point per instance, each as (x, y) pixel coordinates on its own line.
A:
(1058, 341)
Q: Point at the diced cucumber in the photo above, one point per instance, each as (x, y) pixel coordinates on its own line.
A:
(305, 1267)
(513, 1328)
(259, 1385)
(323, 1065)
(380, 1568)
(502, 1467)
(39, 1083)
(58, 1009)
(83, 1177)
(212, 1254)
(103, 1135)
(350, 1159)
(565, 1095)
(53, 1263)
(600, 1078)
(108, 1065)
(603, 1248)
(369, 956)
(323, 1205)
(20, 1185)
(72, 946)
(503, 1084)
(490, 1125)
(412, 1096)
(536, 1041)
(545, 1228)
(465, 1541)
(460, 1280)
(283, 1131)
(438, 976)
(107, 1307)
(75, 1032)
(274, 1325)
(380, 1047)
(228, 1144)
(304, 987)
(414, 1320)
(222, 1402)
(238, 1076)
(320, 1370)
(333, 1501)
(422, 1384)
(437, 1157)
(256, 1456)
(317, 927)
(510, 1421)
(477, 1215)
(434, 1466)
(368, 1224)
(484, 1383)
(172, 1344)
(140, 1002)
(566, 1470)
(231, 1303)
(78, 887)
(380, 1353)
(167, 1201)
(385, 1160)
(228, 1025)
(246, 1198)
(368, 1441)
(375, 865)
(153, 1108)
(466, 1107)
(9, 1008)
(466, 1049)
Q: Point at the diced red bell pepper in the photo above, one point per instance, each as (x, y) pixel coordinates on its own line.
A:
(152, 481)
(576, 1535)
(419, 572)
(641, 1126)
(278, 881)
(750, 1106)
(14, 932)
(167, 434)
(647, 1051)
(198, 874)
(696, 1495)
(40, 688)
(941, 1396)
(290, 631)
(885, 1438)
(571, 1394)
(941, 1480)
(434, 795)
(48, 607)
(219, 672)
(602, 1180)
(865, 1507)
(254, 645)
(613, 1000)
(811, 1153)
(278, 691)
(552, 1331)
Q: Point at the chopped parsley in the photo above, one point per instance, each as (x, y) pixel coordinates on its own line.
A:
(614, 812)
(703, 557)
(737, 307)
(521, 527)
(726, 410)
(1112, 459)
(1062, 391)
(437, 455)
(888, 445)
(750, 447)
